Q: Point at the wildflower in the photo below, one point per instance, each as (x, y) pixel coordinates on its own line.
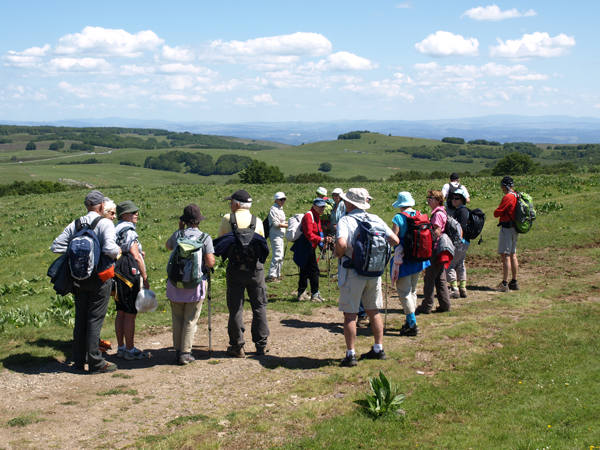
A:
(549, 426)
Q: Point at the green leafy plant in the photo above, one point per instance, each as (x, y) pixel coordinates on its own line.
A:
(384, 399)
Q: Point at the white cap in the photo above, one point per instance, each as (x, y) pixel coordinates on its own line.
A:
(279, 196)
(337, 191)
(322, 191)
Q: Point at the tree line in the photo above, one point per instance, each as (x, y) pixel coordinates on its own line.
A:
(198, 163)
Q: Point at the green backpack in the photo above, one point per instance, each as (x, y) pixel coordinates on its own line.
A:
(184, 268)
(525, 213)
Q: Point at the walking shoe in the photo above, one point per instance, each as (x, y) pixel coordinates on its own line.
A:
(513, 285)
(349, 361)
(303, 297)
(261, 351)
(121, 353)
(363, 322)
(108, 367)
(317, 298)
(272, 280)
(236, 352)
(372, 355)
(502, 287)
(463, 292)
(454, 293)
(420, 310)
(135, 353)
(439, 310)
(408, 331)
(186, 358)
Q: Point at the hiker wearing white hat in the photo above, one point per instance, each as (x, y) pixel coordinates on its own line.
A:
(326, 215)
(339, 210)
(354, 287)
(276, 232)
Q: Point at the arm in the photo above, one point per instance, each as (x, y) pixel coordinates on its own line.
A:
(393, 239)
(395, 229)
(504, 207)
(135, 252)
(437, 231)
(341, 244)
(307, 229)
(209, 260)
(223, 228)
(61, 243)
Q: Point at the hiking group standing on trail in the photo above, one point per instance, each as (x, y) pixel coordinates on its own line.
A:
(100, 259)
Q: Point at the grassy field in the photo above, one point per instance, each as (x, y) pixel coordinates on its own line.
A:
(516, 373)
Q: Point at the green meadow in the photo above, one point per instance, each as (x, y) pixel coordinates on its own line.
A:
(518, 371)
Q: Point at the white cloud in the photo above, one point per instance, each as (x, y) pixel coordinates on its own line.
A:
(28, 58)
(20, 92)
(176, 54)
(285, 49)
(493, 13)
(536, 45)
(243, 102)
(265, 99)
(183, 68)
(103, 41)
(529, 77)
(79, 65)
(459, 72)
(549, 89)
(341, 61)
(181, 98)
(132, 69)
(89, 90)
(344, 79)
(444, 43)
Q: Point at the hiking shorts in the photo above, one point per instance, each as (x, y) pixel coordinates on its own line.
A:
(358, 288)
(507, 241)
(126, 303)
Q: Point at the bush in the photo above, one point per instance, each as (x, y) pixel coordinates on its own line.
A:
(260, 173)
(325, 167)
(30, 146)
(352, 135)
(129, 163)
(33, 187)
(82, 147)
(453, 140)
(514, 164)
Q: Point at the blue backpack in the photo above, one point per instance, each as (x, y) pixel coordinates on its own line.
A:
(84, 250)
(372, 252)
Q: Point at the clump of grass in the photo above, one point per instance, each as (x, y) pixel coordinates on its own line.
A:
(118, 391)
(384, 400)
(185, 419)
(122, 375)
(22, 421)
(70, 403)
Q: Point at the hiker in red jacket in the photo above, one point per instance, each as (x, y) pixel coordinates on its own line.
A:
(507, 242)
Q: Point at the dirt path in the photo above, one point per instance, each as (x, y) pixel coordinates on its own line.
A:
(75, 415)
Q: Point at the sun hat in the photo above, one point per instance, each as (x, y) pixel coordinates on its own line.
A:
(279, 196)
(319, 202)
(126, 207)
(322, 191)
(337, 191)
(191, 214)
(94, 198)
(454, 176)
(358, 197)
(462, 193)
(241, 196)
(404, 199)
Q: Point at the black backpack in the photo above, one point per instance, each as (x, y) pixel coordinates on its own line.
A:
(475, 224)
(451, 190)
(243, 253)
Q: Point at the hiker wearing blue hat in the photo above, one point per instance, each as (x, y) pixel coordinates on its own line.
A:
(406, 274)
(456, 275)
(305, 251)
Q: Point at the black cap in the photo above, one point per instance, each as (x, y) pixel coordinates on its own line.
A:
(507, 181)
(241, 196)
(191, 214)
(94, 198)
(454, 176)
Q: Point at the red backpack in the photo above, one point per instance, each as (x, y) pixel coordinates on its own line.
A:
(418, 239)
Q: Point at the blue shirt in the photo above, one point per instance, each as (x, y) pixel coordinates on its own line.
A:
(338, 213)
(407, 268)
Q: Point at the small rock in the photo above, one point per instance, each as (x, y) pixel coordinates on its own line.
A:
(339, 395)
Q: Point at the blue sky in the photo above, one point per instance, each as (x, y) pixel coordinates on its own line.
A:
(243, 61)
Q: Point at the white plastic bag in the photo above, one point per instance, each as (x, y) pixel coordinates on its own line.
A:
(146, 301)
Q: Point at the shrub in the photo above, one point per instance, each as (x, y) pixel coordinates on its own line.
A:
(260, 173)
(30, 146)
(453, 140)
(513, 164)
(325, 167)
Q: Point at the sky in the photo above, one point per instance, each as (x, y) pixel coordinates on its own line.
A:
(275, 61)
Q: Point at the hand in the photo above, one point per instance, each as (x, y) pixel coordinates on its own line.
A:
(329, 239)
(181, 225)
(146, 284)
(143, 254)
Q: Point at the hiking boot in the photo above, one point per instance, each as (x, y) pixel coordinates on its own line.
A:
(463, 292)
(502, 287)
(420, 310)
(236, 352)
(186, 358)
(440, 310)
(108, 367)
(513, 285)
(317, 298)
(362, 322)
(408, 331)
(261, 351)
(454, 293)
(303, 297)
(135, 353)
(272, 280)
(372, 355)
(349, 361)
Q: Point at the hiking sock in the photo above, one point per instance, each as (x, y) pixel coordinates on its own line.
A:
(513, 281)
(462, 284)
(377, 347)
(350, 352)
(411, 320)
(504, 283)
(122, 348)
(453, 284)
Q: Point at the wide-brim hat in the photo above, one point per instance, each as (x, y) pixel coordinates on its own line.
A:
(337, 191)
(322, 191)
(358, 197)
(191, 214)
(126, 207)
(404, 200)
(460, 192)
(241, 196)
(279, 196)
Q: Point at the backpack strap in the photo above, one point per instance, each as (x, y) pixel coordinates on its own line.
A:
(233, 222)
(202, 238)
(78, 225)
(253, 223)
(95, 222)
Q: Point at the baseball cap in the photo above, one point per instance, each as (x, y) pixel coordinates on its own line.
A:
(241, 196)
(94, 198)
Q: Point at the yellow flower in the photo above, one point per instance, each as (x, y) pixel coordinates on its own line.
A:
(549, 426)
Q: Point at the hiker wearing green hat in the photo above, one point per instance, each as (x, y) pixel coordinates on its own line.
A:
(128, 241)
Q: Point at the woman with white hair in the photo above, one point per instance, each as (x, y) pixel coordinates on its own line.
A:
(110, 209)
(276, 232)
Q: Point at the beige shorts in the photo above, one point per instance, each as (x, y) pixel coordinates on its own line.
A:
(507, 241)
(356, 289)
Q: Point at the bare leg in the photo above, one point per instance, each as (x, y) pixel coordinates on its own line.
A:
(129, 329)
(119, 323)
(514, 265)
(376, 325)
(350, 329)
(506, 266)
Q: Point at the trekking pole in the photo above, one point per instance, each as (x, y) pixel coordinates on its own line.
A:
(209, 295)
(328, 274)
(386, 299)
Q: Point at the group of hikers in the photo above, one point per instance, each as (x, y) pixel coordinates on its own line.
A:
(339, 226)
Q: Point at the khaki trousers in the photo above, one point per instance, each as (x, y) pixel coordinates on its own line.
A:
(185, 317)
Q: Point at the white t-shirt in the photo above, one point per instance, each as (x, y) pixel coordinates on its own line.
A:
(446, 188)
(346, 228)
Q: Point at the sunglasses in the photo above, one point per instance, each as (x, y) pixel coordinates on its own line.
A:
(429, 198)
(456, 198)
